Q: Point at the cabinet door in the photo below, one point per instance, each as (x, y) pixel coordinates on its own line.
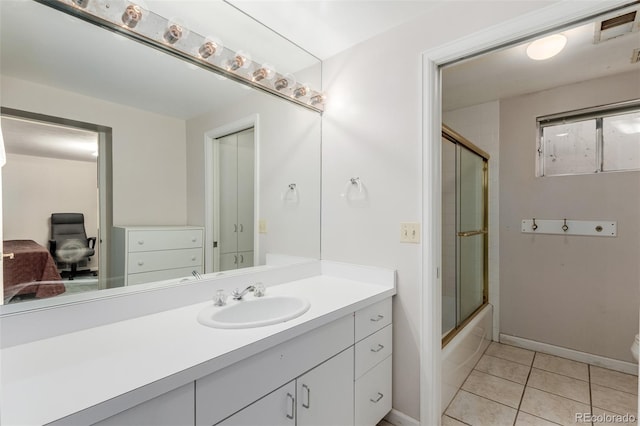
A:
(325, 394)
(228, 189)
(245, 190)
(228, 261)
(276, 409)
(245, 259)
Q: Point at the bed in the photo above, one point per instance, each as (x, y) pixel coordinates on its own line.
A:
(29, 269)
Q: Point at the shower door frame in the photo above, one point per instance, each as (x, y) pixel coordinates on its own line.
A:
(456, 138)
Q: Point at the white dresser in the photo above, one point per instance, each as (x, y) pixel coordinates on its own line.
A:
(143, 254)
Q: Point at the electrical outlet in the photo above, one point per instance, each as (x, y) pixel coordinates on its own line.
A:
(409, 232)
(262, 226)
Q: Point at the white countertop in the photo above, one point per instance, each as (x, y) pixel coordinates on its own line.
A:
(52, 378)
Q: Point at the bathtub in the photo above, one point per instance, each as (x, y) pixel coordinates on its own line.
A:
(462, 353)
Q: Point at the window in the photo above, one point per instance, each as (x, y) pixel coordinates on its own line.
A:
(594, 140)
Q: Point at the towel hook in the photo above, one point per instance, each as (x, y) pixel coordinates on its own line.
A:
(565, 227)
(535, 225)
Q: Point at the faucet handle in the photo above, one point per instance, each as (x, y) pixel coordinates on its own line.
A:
(220, 299)
(259, 290)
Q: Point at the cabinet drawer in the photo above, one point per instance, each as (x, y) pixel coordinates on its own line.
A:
(373, 395)
(167, 259)
(372, 350)
(148, 240)
(372, 318)
(165, 274)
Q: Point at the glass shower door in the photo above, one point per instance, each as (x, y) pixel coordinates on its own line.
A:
(464, 231)
(472, 232)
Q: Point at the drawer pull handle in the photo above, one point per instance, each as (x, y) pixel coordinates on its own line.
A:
(308, 392)
(140, 242)
(235, 259)
(235, 227)
(140, 263)
(292, 406)
(241, 228)
(194, 239)
(378, 349)
(377, 399)
(378, 318)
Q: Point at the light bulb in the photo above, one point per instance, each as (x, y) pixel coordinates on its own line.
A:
(81, 3)
(317, 99)
(240, 60)
(301, 91)
(546, 47)
(265, 72)
(174, 32)
(285, 82)
(132, 15)
(210, 47)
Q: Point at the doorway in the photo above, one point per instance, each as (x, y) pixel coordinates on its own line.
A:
(56, 168)
(233, 200)
(231, 154)
(514, 31)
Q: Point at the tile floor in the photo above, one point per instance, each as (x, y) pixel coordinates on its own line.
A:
(514, 386)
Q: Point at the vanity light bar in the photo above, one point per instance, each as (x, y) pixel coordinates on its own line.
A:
(138, 23)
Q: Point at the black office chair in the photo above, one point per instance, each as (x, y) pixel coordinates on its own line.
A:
(69, 244)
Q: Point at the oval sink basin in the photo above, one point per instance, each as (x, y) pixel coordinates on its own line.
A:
(256, 312)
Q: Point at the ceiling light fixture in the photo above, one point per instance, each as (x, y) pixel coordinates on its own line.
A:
(547, 47)
(175, 38)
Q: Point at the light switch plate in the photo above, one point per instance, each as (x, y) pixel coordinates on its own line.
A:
(262, 226)
(409, 232)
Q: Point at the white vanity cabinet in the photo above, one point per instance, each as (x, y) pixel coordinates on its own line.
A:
(144, 253)
(325, 394)
(352, 384)
(373, 368)
(320, 397)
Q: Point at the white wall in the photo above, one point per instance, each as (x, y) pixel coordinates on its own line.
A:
(372, 130)
(149, 156)
(35, 187)
(575, 292)
(289, 138)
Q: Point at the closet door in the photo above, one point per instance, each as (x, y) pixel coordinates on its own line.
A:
(228, 169)
(245, 191)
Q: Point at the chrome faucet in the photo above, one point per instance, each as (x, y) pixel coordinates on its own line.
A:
(238, 295)
(197, 275)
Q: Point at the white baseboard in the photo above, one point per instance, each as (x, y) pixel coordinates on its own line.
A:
(600, 361)
(398, 418)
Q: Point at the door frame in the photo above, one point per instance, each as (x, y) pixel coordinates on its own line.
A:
(210, 185)
(104, 170)
(551, 18)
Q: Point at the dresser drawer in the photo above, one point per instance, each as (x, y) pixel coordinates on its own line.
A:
(167, 259)
(165, 274)
(373, 394)
(164, 239)
(372, 350)
(372, 318)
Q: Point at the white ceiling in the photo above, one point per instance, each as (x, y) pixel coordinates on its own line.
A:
(325, 28)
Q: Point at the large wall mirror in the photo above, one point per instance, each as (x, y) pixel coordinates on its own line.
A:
(176, 171)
